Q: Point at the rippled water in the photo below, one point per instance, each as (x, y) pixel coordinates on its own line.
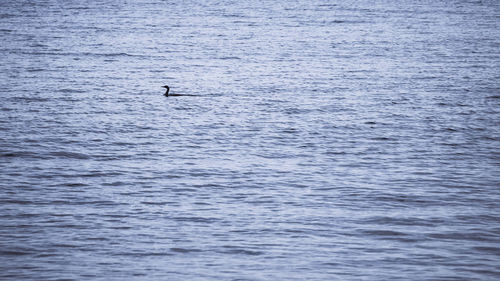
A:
(326, 140)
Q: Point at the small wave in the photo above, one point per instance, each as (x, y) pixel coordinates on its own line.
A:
(120, 227)
(76, 184)
(335, 152)
(290, 131)
(332, 22)
(13, 253)
(328, 5)
(230, 58)
(35, 69)
(29, 99)
(64, 245)
(383, 139)
(65, 90)
(240, 251)
(244, 252)
(98, 239)
(143, 254)
(20, 154)
(70, 155)
(384, 233)
(45, 255)
(492, 250)
(78, 8)
(115, 55)
(93, 174)
(14, 201)
(6, 16)
(111, 54)
(77, 54)
(46, 53)
(115, 183)
(233, 16)
(38, 45)
(184, 250)
(195, 219)
(471, 236)
(154, 203)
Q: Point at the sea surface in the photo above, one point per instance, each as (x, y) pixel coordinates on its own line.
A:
(317, 140)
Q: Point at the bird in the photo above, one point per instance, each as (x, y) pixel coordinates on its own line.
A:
(173, 95)
(168, 89)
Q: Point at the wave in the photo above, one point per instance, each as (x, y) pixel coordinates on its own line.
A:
(65, 90)
(76, 54)
(69, 155)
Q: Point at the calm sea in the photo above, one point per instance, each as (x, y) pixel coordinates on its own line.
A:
(318, 140)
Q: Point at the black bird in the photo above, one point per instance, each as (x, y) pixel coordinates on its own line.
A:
(174, 95)
(168, 89)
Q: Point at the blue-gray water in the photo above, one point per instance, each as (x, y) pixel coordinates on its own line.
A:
(327, 140)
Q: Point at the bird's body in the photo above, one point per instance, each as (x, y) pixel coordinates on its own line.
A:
(173, 95)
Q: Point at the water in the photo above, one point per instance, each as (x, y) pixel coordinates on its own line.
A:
(327, 140)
